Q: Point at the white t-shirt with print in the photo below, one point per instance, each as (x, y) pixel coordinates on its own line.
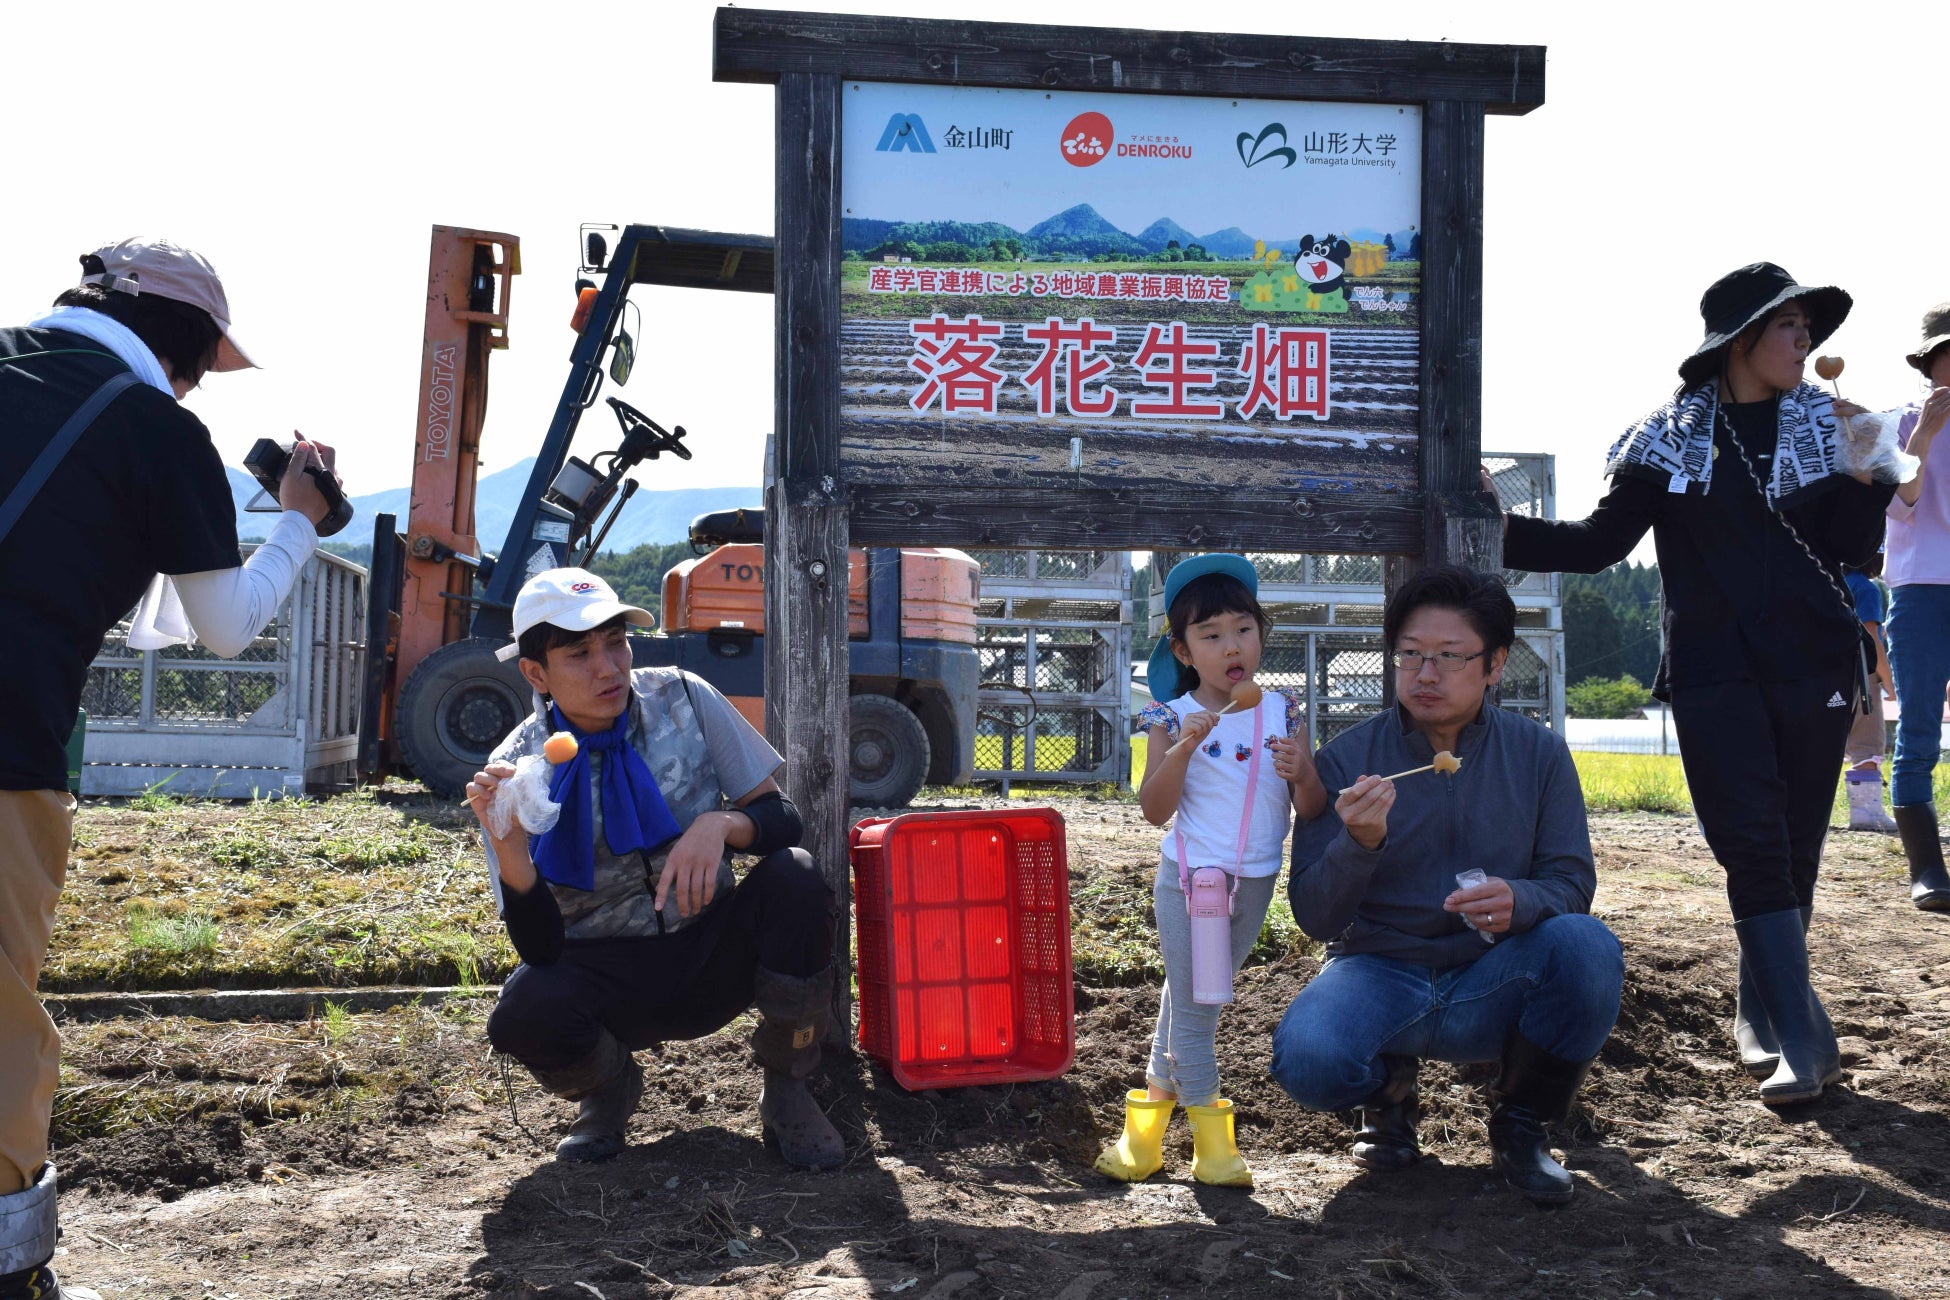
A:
(1214, 800)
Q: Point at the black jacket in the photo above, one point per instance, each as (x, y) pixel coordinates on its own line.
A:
(1741, 601)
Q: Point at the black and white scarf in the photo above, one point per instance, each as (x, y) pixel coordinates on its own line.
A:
(1677, 440)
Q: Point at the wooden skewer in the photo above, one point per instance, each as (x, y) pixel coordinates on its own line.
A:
(1245, 695)
(1444, 762)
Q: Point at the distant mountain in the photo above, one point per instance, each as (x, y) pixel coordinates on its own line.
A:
(1082, 231)
(1162, 231)
(1231, 243)
(653, 515)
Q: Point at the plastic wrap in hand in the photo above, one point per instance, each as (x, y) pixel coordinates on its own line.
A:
(1869, 444)
(523, 797)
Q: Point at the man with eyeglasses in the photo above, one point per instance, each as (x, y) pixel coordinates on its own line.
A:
(1455, 907)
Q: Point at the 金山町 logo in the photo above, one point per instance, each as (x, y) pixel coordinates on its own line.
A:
(904, 132)
(1256, 149)
(1086, 140)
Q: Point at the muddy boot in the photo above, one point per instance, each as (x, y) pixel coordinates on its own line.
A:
(1865, 812)
(27, 1237)
(794, 1012)
(1775, 946)
(1384, 1137)
(1759, 1053)
(1929, 884)
(1534, 1091)
(1139, 1151)
(608, 1083)
(1216, 1161)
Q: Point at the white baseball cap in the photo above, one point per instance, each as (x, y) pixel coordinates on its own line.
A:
(574, 600)
(148, 264)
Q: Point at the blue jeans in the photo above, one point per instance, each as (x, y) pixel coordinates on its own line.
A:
(1919, 655)
(1557, 983)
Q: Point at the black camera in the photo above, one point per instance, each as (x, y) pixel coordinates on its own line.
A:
(266, 461)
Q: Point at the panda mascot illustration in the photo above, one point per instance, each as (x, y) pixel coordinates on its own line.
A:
(1322, 266)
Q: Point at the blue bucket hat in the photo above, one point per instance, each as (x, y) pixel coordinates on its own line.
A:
(1163, 672)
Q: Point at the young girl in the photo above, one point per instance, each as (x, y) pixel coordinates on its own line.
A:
(1230, 781)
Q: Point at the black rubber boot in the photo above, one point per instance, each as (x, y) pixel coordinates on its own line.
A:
(1775, 946)
(1534, 1090)
(1760, 1053)
(794, 1012)
(1384, 1137)
(608, 1083)
(1929, 883)
(41, 1284)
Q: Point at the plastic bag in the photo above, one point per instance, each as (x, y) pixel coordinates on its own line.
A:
(523, 797)
(1869, 443)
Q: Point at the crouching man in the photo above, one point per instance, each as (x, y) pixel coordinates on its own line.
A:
(1420, 965)
(630, 926)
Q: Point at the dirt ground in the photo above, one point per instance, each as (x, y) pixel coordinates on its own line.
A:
(416, 1180)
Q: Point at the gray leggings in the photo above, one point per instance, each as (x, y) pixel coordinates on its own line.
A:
(1183, 1060)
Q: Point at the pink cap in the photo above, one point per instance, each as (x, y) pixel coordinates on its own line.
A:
(147, 264)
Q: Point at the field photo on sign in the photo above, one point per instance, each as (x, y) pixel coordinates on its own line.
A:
(1026, 300)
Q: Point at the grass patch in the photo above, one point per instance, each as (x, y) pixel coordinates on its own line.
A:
(337, 1022)
(1632, 783)
(151, 932)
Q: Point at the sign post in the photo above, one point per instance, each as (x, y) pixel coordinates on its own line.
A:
(1076, 287)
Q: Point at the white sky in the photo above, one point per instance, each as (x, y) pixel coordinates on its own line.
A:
(1677, 142)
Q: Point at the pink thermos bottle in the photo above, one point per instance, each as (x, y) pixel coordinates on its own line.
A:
(1210, 904)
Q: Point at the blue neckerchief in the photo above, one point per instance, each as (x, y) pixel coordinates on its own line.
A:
(635, 816)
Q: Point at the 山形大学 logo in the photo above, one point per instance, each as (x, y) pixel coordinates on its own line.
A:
(904, 131)
(1255, 149)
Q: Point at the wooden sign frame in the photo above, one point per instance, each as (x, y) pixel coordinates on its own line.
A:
(812, 515)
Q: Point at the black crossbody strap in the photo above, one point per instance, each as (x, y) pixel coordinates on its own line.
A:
(57, 450)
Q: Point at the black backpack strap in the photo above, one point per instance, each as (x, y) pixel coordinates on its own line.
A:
(58, 448)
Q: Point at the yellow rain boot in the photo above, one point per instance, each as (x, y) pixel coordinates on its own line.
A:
(1140, 1152)
(1215, 1156)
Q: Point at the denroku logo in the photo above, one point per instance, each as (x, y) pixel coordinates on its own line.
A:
(1086, 139)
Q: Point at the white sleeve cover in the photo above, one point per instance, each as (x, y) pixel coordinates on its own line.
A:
(229, 607)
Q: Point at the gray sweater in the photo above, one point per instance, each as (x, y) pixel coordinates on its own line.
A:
(1514, 810)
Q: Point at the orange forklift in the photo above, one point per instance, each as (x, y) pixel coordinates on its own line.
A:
(437, 701)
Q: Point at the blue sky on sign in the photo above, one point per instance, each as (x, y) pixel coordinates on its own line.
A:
(1346, 182)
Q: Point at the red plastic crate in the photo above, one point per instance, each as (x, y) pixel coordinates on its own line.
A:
(964, 946)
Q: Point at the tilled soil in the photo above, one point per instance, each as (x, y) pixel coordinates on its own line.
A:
(422, 1184)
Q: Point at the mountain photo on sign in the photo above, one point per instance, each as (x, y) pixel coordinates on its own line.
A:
(1017, 310)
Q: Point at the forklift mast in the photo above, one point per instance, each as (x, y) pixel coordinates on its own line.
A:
(541, 535)
(468, 282)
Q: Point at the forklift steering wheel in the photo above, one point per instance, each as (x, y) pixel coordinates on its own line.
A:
(645, 433)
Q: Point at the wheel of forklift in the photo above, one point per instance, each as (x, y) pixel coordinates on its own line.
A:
(457, 706)
(887, 752)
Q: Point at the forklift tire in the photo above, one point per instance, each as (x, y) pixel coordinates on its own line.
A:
(887, 752)
(459, 704)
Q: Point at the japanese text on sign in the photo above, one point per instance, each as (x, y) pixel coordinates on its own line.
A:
(1049, 284)
(1286, 369)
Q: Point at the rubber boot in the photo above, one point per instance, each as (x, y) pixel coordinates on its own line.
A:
(1929, 883)
(28, 1234)
(1216, 1161)
(1534, 1090)
(608, 1084)
(1384, 1138)
(1139, 1151)
(793, 1014)
(1775, 946)
(1865, 812)
(1760, 1054)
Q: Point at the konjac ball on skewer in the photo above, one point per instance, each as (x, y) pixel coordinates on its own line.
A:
(560, 748)
(1829, 368)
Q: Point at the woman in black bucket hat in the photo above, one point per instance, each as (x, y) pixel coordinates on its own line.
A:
(1740, 479)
